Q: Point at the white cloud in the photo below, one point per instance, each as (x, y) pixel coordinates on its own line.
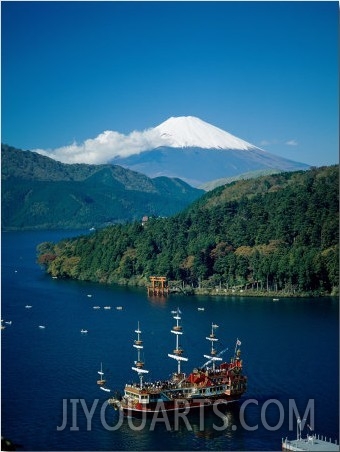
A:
(291, 143)
(105, 147)
(274, 141)
(268, 142)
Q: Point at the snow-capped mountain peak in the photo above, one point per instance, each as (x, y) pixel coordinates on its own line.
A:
(189, 131)
(184, 147)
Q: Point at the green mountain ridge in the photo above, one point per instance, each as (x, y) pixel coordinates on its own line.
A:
(41, 193)
(208, 186)
(274, 233)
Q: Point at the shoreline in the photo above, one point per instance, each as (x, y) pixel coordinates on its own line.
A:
(275, 295)
(174, 288)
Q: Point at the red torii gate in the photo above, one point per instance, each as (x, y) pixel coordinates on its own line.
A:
(158, 286)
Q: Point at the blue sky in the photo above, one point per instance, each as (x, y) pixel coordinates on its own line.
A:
(266, 72)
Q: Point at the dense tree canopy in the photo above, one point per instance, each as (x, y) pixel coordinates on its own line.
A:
(277, 232)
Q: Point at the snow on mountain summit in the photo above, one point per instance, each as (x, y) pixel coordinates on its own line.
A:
(183, 132)
(189, 131)
(183, 147)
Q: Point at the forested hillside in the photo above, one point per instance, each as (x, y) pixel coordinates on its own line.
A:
(38, 192)
(278, 232)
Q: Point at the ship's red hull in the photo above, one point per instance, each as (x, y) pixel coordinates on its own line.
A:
(184, 406)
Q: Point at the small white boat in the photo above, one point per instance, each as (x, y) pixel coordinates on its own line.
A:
(9, 322)
(89, 295)
(83, 331)
(275, 299)
(200, 309)
(96, 307)
(105, 389)
(42, 327)
(107, 307)
(119, 308)
(28, 306)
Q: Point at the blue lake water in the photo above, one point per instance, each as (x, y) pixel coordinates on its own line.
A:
(290, 350)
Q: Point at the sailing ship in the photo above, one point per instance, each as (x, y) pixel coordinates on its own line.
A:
(215, 383)
(101, 380)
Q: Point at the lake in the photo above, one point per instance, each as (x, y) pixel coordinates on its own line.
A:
(290, 351)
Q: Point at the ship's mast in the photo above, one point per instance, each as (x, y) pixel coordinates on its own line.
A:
(237, 354)
(177, 330)
(237, 351)
(138, 344)
(212, 338)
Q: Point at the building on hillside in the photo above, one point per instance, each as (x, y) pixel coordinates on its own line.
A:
(145, 220)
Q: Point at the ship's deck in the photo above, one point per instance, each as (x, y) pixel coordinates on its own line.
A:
(315, 445)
